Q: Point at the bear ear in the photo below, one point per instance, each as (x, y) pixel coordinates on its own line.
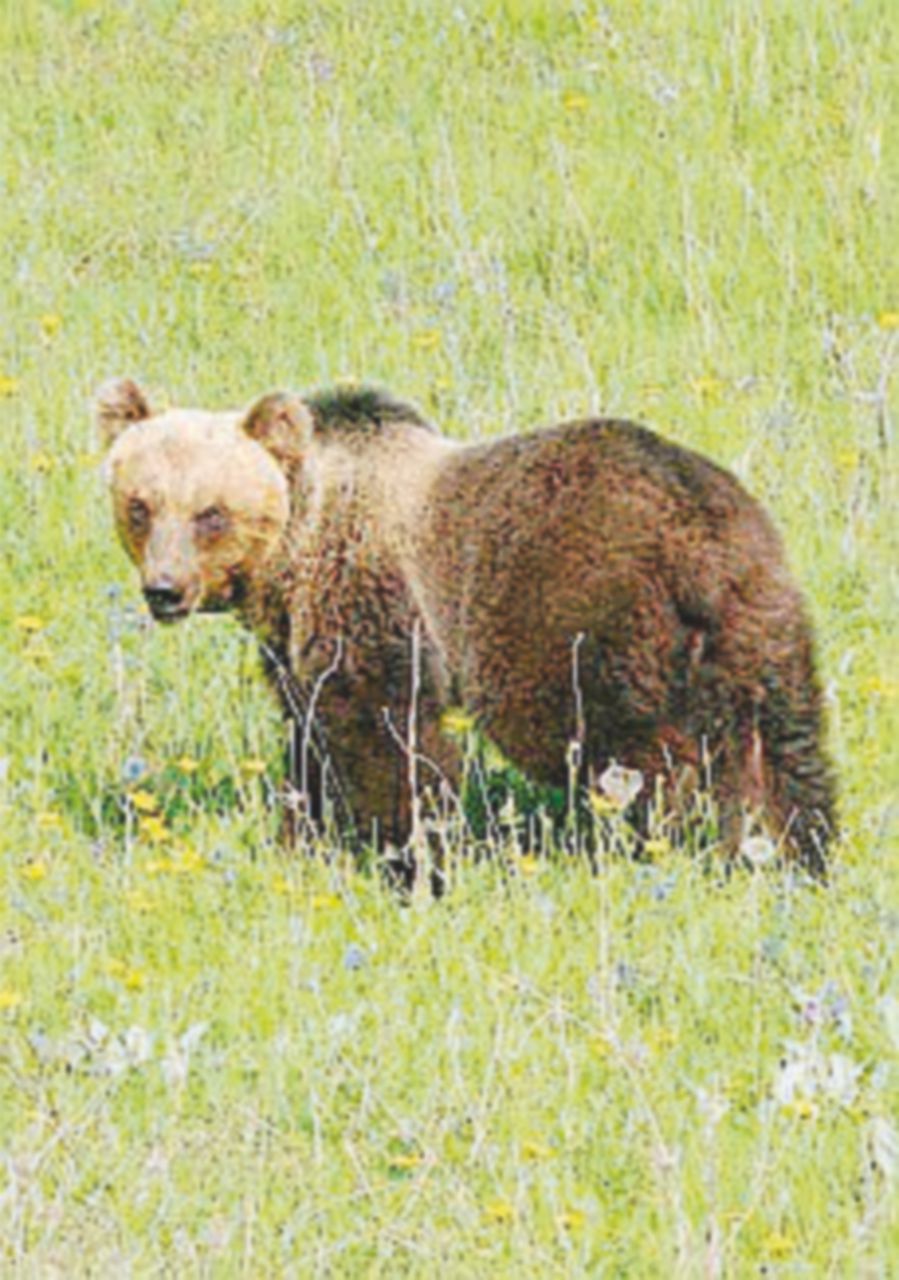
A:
(282, 424)
(119, 404)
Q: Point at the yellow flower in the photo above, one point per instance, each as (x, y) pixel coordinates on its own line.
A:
(601, 1046)
(51, 324)
(324, 901)
(536, 1151)
(34, 871)
(707, 387)
(137, 900)
(528, 865)
(10, 1000)
(153, 829)
(778, 1246)
(252, 768)
(187, 764)
(426, 340)
(42, 462)
(657, 848)
(408, 1161)
(189, 861)
(49, 821)
(499, 1212)
(571, 1220)
(29, 623)
(144, 802)
(662, 1038)
(134, 980)
(802, 1109)
(8, 386)
(159, 866)
(602, 806)
(442, 384)
(455, 721)
(575, 102)
(888, 320)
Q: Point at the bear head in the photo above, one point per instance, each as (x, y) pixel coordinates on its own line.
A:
(201, 500)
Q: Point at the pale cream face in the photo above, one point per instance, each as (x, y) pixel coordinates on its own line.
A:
(199, 506)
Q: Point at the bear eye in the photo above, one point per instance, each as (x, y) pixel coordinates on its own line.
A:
(138, 515)
(212, 521)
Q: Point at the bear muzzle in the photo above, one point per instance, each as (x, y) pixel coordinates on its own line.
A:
(168, 601)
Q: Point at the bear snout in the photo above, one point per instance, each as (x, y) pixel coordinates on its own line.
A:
(167, 600)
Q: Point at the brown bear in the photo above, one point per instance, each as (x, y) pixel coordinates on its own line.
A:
(588, 592)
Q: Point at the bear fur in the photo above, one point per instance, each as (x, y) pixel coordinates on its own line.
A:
(589, 584)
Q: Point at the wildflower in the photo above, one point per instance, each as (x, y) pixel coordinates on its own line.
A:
(888, 320)
(406, 1161)
(133, 768)
(153, 829)
(139, 901)
(252, 768)
(571, 1220)
(426, 340)
(778, 1246)
(757, 850)
(8, 386)
(42, 462)
(324, 901)
(658, 848)
(187, 765)
(134, 980)
(456, 722)
(847, 460)
(34, 871)
(574, 103)
(536, 1151)
(601, 1046)
(353, 958)
(50, 324)
(49, 821)
(706, 387)
(602, 806)
(499, 1212)
(621, 785)
(144, 802)
(802, 1109)
(9, 999)
(29, 624)
(189, 861)
(159, 866)
(528, 865)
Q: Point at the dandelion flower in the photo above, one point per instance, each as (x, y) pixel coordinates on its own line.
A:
(888, 320)
(575, 103)
(153, 829)
(30, 623)
(426, 340)
(144, 802)
(50, 324)
(187, 765)
(571, 1220)
(778, 1246)
(252, 768)
(10, 1000)
(499, 1212)
(34, 871)
(8, 386)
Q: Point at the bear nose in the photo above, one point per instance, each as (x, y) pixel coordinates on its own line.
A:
(164, 597)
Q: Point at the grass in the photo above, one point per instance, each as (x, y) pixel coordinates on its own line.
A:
(217, 1061)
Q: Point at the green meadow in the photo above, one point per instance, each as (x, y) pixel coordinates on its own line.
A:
(217, 1059)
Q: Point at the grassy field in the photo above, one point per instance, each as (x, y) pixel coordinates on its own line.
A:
(217, 1061)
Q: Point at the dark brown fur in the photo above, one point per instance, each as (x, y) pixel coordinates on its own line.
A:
(588, 583)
